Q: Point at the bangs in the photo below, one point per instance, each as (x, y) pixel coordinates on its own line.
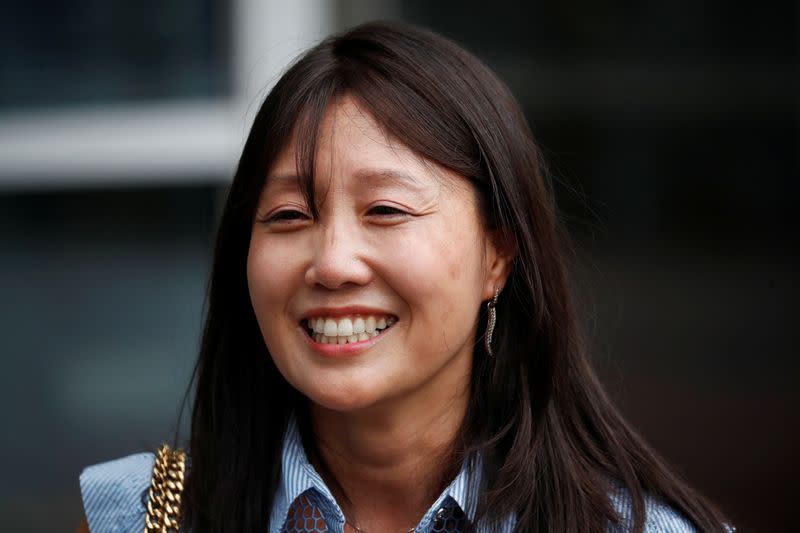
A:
(410, 116)
(305, 137)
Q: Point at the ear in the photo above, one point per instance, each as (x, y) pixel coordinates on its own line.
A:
(499, 258)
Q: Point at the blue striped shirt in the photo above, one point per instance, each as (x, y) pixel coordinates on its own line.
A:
(114, 496)
(298, 477)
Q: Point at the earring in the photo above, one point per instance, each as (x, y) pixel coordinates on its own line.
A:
(491, 307)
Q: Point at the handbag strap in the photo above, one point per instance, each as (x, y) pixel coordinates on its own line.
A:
(166, 486)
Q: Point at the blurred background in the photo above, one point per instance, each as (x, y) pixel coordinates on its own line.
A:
(671, 128)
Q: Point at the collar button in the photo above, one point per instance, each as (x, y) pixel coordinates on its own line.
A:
(438, 521)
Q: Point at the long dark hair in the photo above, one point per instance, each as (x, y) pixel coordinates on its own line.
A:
(553, 445)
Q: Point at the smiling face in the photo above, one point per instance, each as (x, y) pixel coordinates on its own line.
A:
(398, 242)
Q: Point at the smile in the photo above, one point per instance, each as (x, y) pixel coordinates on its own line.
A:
(347, 329)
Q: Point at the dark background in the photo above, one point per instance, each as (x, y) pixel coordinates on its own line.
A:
(672, 132)
(671, 129)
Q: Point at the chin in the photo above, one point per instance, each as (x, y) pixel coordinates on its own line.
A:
(341, 397)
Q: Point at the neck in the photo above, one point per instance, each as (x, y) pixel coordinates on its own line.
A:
(386, 464)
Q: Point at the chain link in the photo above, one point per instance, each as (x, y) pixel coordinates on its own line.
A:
(166, 486)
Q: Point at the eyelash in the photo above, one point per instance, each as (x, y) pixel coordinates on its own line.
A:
(284, 216)
(392, 211)
(293, 215)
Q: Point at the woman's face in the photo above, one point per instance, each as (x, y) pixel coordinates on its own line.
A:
(375, 301)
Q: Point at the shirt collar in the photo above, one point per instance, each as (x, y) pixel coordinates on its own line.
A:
(298, 476)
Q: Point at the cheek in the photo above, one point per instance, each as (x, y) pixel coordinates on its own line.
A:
(260, 274)
(454, 270)
(273, 264)
(270, 278)
(437, 272)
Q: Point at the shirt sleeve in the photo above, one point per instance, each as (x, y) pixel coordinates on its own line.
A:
(113, 493)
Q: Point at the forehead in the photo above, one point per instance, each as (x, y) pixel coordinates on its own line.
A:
(351, 144)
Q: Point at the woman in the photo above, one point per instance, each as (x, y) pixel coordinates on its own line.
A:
(390, 343)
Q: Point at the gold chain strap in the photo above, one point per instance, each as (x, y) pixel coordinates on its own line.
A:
(166, 487)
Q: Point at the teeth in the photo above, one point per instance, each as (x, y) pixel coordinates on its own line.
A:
(345, 327)
(331, 328)
(348, 329)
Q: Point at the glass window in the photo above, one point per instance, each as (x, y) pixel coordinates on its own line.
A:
(64, 52)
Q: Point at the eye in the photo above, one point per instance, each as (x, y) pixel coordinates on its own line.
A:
(286, 215)
(386, 210)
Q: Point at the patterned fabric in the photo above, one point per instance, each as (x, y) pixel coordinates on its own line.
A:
(449, 520)
(304, 517)
(114, 494)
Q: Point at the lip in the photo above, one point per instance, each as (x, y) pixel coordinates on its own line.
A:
(343, 311)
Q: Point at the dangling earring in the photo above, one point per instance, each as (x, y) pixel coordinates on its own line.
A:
(491, 307)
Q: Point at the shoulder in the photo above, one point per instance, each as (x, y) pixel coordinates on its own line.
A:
(113, 492)
(659, 517)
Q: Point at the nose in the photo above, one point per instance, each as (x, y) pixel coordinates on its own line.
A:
(338, 257)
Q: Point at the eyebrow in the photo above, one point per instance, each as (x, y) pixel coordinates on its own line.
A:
(376, 176)
(288, 178)
(389, 176)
